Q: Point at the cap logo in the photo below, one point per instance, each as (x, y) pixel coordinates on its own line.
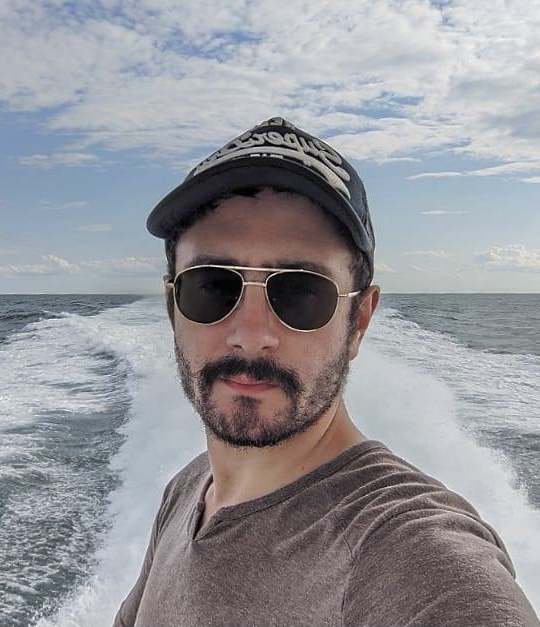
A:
(312, 153)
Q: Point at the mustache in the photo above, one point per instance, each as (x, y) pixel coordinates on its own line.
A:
(262, 369)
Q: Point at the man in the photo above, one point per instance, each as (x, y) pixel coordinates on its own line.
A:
(293, 517)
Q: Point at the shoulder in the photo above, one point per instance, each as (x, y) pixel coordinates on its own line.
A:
(382, 487)
(193, 471)
(434, 566)
(183, 487)
(397, 512)
(420, 550)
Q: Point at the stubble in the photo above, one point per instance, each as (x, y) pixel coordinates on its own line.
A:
(243, 425)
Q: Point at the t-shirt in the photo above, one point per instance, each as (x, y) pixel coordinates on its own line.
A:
(365, 540)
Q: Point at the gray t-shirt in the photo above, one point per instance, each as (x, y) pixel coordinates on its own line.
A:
(364, 540)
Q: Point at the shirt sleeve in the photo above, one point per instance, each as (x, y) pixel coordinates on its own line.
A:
(433, 568)
(127, 613)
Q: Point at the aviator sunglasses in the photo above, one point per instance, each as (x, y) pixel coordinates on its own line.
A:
(302, 300)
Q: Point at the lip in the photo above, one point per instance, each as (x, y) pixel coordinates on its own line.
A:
(246, 385)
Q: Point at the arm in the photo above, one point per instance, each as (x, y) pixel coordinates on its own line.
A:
(433, 568)
(127, 613)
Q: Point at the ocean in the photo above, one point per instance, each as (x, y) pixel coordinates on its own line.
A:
(93, 424)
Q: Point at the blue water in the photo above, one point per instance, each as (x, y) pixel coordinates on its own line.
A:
(93, 424)
(498, 323)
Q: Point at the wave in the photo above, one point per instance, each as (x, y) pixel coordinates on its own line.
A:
(69, 381)
(412, 389)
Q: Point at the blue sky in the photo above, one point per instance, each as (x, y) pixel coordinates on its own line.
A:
(104, 107)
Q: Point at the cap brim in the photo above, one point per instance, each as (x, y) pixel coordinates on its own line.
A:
(209, 185)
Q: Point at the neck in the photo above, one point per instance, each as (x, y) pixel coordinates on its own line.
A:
(241, 475)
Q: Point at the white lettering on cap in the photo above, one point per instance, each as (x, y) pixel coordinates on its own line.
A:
(312, 153)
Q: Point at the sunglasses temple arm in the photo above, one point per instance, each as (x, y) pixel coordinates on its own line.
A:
(350, 294)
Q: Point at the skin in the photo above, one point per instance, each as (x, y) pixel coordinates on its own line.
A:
(263, 232)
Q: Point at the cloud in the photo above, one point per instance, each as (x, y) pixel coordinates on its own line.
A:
(387, 80)
(96, 228)
(425, 175)
(46, 162)
(12, 271)
(60, 264)
(127, 266)
(399, 160)
(50, 264)
(512, 257)
(383, 268)
(532, 179)
(73, 204)
(417, 268)
(504, 169)
(441, 212)
(54, 265)
(428, 253)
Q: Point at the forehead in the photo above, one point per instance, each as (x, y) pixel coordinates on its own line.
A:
(271, 229)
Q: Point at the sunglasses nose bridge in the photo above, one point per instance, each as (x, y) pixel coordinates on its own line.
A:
(254, 284)
(264, 285)
(258, 283)
(254, 326)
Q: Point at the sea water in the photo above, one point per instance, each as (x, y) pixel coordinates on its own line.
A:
(93, 424)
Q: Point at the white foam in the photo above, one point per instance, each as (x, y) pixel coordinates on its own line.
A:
(419, 392)
(508, 384)
(162, 435)
(41, 363)
(55, 366)
(397, 393)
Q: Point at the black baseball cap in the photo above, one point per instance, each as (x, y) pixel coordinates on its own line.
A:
(275, 153)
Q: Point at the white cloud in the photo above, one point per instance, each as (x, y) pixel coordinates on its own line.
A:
(425, 175)
(399, 160)
(72, 204)
(60, 264)
(441, 212)
(127, 265)
(54, 265)
(96, 228)
(532, 179)
(50, 264)
(512, 257)
(417, 268)
(58, 159)
(383, 268)
(504, 169)
(428, 253)
(386, 80)
(12, 271)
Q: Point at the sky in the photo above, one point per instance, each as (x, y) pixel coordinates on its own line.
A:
(106, 105)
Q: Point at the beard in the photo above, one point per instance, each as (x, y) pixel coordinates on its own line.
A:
(243, 425)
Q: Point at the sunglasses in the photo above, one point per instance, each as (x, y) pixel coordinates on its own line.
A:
(302, 300)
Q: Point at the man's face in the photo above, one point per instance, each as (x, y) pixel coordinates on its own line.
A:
(300, 375)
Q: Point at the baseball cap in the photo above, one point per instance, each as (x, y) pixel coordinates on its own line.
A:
(275, 153)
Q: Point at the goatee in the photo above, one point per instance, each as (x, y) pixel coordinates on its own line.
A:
(243, 425)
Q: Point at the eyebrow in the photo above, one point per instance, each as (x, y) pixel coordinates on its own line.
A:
(285, 264)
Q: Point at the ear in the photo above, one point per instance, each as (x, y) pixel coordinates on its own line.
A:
(169, 301)
(368, 304)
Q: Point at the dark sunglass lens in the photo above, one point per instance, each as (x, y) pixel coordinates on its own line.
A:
(207, 295)
(303, 301)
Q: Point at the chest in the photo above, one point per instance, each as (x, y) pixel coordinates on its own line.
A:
(240, 574)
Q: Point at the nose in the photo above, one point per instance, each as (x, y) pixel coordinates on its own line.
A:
(253, 328)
